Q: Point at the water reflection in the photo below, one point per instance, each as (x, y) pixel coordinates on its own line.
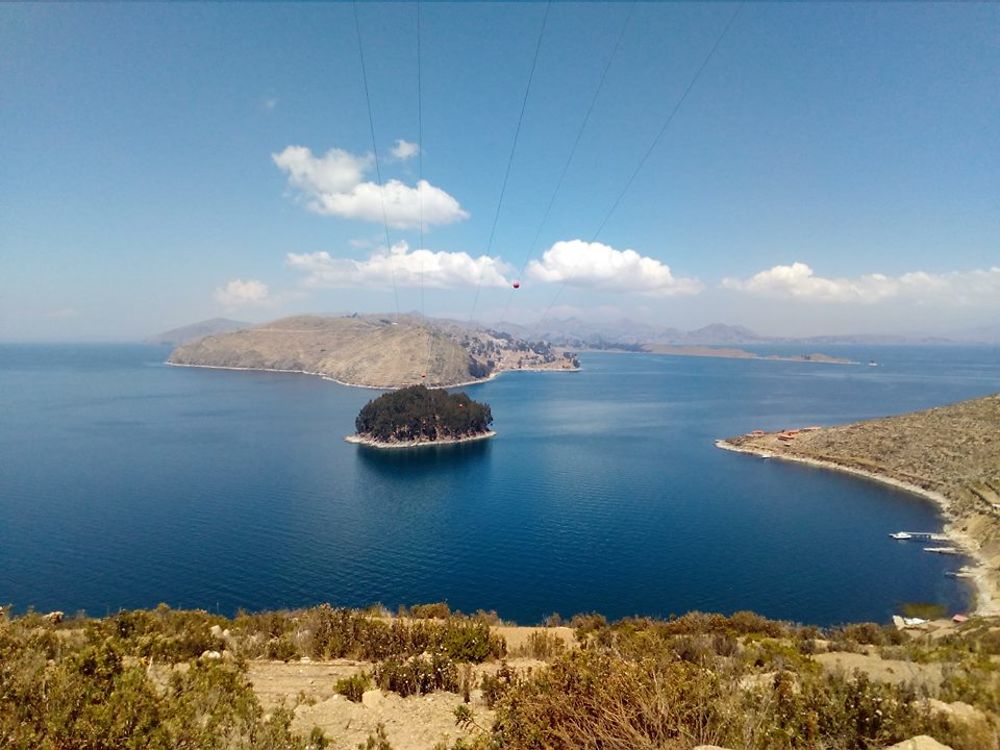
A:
(412, 463)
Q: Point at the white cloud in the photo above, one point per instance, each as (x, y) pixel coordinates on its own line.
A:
(601, 267)
(441, 270)
(334, 184)
(402, 204)
(336, 171)
(404, 150)
(798, 281)
(240, 293)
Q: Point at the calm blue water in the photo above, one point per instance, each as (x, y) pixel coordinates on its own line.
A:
(124, 483)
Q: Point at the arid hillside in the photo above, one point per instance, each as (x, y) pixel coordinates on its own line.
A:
(377, 351)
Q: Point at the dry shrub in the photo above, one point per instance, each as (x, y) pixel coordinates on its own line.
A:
(542, 645)
(94, 695)
(438, 610)
(594, 698)
(496, 686)
(329, 633)
(377, 740)
(585, 624)
(417, 676)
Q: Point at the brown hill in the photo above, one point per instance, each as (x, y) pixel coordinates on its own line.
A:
(376, 351)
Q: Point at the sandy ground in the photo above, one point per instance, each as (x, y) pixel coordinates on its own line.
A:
(413, 723)
(883, 670)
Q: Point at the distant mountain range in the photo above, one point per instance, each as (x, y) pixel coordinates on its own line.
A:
(624, 333)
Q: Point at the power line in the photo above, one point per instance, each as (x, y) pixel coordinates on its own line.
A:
(420, 195)
(572, 152)
(666, 123)
(420, 156)
(513, 148)
(378, 169)
(652, 146)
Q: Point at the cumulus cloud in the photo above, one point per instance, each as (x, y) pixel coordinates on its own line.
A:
(404, 150)
(240, 293)
(334, 184)
(336, 171)
(602, 267)
(798, 281)
(441, 270)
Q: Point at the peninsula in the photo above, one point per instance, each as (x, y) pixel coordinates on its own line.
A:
(728, 352)
(375, 351)
(418, 416)
(950, 455)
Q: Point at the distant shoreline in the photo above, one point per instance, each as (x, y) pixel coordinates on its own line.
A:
(324, 376)
(710, 352)
(986, 598)
(372, 443)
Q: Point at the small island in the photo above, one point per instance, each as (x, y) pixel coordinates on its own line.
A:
(418, 416)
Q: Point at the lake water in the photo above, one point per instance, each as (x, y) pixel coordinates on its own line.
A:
(124, 483)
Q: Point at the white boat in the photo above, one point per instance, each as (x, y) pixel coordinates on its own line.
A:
(901, 535)
(942, 550)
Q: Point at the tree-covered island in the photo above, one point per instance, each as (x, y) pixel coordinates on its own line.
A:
(420, 416)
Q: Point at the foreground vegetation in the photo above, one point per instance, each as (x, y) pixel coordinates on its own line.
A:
(171, 679)
(419, 414)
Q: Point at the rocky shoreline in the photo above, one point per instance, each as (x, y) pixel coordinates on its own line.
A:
(488, 378)
(381, 444)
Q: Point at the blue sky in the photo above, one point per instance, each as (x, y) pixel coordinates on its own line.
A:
(835, 168)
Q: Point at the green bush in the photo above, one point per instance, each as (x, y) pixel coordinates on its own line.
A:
(353, 687)
(91, 694)
(471, 642)
(416, 676)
